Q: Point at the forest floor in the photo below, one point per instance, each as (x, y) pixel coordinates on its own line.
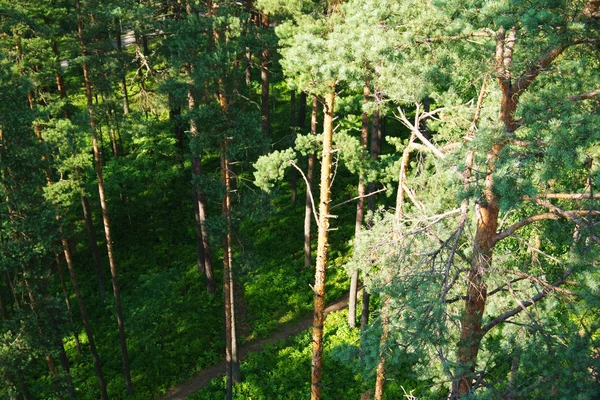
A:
(202, 378)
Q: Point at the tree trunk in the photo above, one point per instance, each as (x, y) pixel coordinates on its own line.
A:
(49, 360)
(375, 149)
(309, 177)
(293, 126)
(360, 212)
(123, 80)
(91, 232)
(202, 239)
(231, 356)
(85, 320)
(380, 375)
(301, 120)
(322, 248)
(68, 303)
(483, 247)
(264, 78)
(105, 215)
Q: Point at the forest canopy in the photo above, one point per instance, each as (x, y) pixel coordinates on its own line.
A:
(183, 182)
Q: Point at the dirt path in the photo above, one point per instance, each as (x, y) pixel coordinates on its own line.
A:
(202, 378)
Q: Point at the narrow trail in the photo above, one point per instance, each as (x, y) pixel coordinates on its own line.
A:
(202, 378)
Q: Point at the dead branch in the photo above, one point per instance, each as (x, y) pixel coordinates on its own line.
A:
(571, 215)
(541, 282)
(525, 304)
(359, 197)
(415, 129)
(585, 96)
(312, 200)
(524, 222)
(570, 196)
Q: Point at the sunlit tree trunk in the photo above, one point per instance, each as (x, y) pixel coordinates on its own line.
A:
(309, 177)
(360, 212)
(322, 247)
(85, 320)
(103, 205)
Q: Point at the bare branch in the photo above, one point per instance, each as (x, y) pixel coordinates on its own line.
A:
(359, 197)
(308, 189)
(415, 129)
(541, 282)
(525, 304)
(585, 96)
(570, 215)
(524, 222)
(570, 196)
(484, 33)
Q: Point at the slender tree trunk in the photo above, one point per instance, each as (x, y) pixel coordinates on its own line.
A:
(322, 248)
(3, 309)
(231, 355)
(309, 177)
(113, 136)
(85, 319)
(293, 126)
(360, 212)
(265, 61)
(380, 375)
(49, 360)
(374, 151)
(301, 120)
(200, 206)
(68, 303)
(91, 232)
(105, 215)
(123, 80)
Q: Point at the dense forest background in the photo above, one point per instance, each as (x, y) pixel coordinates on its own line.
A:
(179, 178)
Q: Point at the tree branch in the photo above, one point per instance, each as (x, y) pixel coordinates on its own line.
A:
(308, 189)
(570, 215)
(570, 196)
(417, 132)
(535, 68)
(524, 222)
(585, 96)
(541, 282)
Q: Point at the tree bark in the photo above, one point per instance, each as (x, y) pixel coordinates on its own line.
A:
(68, 303)
(322, 248)
(231, 355)
(265, 61)
(375, 149)
(360, 212)
(91, 232)
(309, 177)
(293, 126)
(105, 214)
(200, 206)
(123, 80)
(85, 319)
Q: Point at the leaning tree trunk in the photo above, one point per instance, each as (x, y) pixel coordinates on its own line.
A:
(360, 212)
(103, 205)
(85, 320)
(309, 177)
(322, 247)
